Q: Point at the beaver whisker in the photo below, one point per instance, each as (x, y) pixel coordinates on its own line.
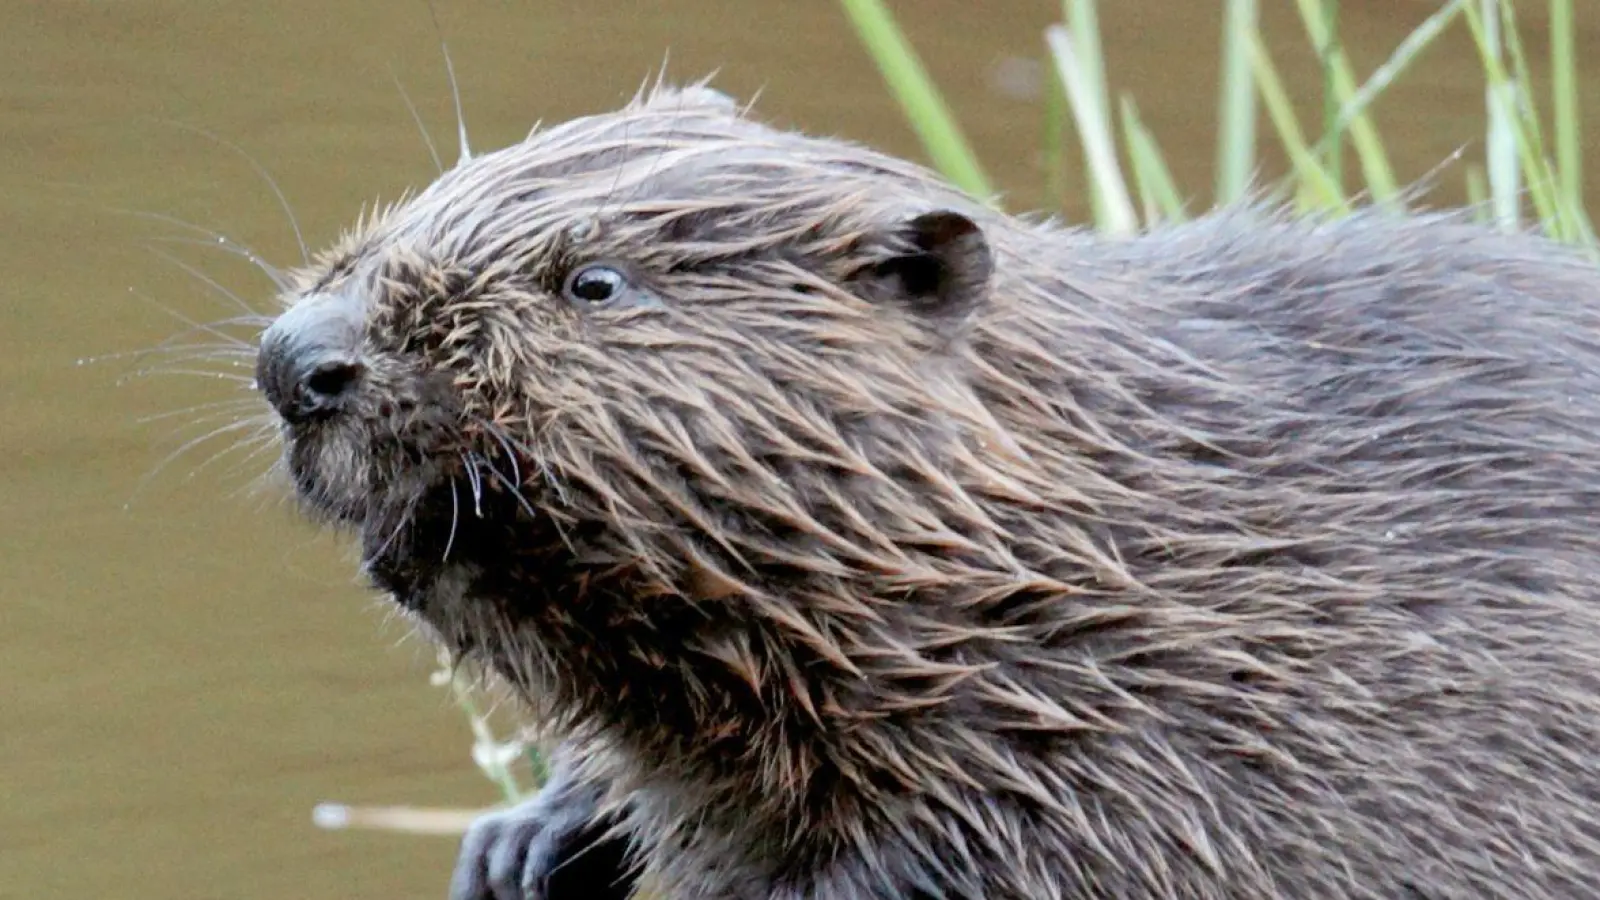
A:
(495, 431)
(226, 360)
(212, 409)
(185, 447)
(215, 417)
(455, 516)
(664, 147)
(263, 443)
(263, 439)
(616, 178)
(550, 478)
(178, 364)
(487, 463)
(266, 437)
(427, 139)
(283, 201)
(475, 478)
(279, 280)
(455, 88)
(234, 356)
(394, 533)
(254, 322)
(204, 279)
(176, 360)
(218, 241)
(226, 357)
(232, 424)
(154, 371)
(213, 328)
(515, 490)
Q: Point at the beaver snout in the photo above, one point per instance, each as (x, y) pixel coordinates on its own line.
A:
(310, 358)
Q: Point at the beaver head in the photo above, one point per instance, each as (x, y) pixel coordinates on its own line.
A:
(648, 381)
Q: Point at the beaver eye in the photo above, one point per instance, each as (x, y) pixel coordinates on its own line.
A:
(596, 285)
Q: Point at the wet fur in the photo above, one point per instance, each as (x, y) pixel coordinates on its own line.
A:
(1252, 558)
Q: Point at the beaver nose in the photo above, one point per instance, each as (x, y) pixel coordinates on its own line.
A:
(310, 357)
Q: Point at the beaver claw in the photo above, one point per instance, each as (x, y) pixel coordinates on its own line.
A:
(549, 847)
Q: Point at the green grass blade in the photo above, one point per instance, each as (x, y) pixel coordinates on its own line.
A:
(1116, 214)
(1568, 131)
(1055, 141)
(1501, 142)
(1157, 191)
(1315, 189)
(1515, 145)
(1543, 185)
(1405, 54)
(1561, 212)
(1236, 132)
(1083, 20)
(1332, 143)
(1375, 167)
(1564, 87)
(1083, 23)
(1478, 195)
(920, 100)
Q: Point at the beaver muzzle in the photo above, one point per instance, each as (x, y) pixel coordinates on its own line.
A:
(310, 357)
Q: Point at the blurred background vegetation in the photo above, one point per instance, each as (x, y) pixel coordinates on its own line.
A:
(189, 670)
(1527, 171)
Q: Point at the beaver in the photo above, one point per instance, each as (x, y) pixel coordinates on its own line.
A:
(855, 539)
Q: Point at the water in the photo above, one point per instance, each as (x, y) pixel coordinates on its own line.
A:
(188, 670)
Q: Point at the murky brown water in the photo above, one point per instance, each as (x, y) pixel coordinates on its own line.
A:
(183, 679)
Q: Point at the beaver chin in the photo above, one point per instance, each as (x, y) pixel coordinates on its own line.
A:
(403, 518)
(423, 531)
(399, 565)
(419, 509)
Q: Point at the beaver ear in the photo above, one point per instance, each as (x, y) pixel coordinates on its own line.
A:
(940, 267)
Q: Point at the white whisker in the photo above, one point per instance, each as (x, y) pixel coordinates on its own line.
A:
(184, 448)
(279, 280)
(416, 117)
(455, 88)
(242, 443)
(169, 351)
(475, 478)
(261, 170)
(404, 520)
(236, 403)
(205, 279)
(155, 371)
(210, 328)
(516, 491)
(493, 431)
(455, 517)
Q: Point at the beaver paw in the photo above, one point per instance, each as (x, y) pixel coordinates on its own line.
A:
(547, 848)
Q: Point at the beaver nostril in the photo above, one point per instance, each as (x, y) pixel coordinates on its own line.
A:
(310, 357)
(331, 379)
(319, 390)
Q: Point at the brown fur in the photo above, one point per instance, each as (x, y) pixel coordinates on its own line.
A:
(882, 545)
